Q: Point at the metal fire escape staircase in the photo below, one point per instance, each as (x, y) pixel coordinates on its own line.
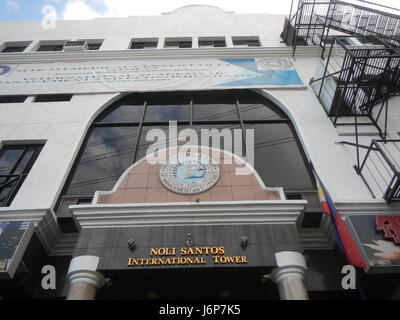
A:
(358, 73)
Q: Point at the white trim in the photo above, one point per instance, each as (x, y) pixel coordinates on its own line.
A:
(290, 258)
(162, 53)
(188, 213)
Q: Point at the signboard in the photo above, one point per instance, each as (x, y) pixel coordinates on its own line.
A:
(187, 256)
(14, 238)
(182, 247)
(152, 75)
(379, 253)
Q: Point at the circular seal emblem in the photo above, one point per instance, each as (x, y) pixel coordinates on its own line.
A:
(273, 64)
(189, 173)
(4, 69)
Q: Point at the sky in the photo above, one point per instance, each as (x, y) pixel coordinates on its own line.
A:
(31, 10)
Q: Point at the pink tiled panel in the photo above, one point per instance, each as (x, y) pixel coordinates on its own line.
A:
(142, 185)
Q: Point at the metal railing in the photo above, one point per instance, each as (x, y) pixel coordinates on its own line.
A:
(382, 161)
(311, 23)
(355, 78)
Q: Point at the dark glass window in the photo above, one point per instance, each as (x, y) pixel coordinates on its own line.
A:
(246, 42)
(167, 112)
(277, 157)
(108, 152)
(14, 49)
(178, 44)
(124, 113)
(15, 163)
(12, 99)
(53, 97)
(51, 47)
(164, 107)
(117, 139)
(212, 43)
(143, 44)
(214, 107)
(94, 46)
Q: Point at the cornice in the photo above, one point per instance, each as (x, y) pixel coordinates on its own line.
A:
(149, 54)
(188, 213)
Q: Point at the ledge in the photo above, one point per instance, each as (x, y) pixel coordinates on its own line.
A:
(188, 213)
(147, 54)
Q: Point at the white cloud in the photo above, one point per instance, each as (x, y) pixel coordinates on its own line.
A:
(79, 10)
(13, 5)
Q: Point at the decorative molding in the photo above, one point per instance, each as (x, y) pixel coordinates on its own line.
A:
(188, 213)
(148, 54)
(362, 207)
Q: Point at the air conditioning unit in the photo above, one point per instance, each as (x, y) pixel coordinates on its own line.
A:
(75, 46)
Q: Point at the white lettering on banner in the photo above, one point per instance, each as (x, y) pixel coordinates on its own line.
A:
(167, 75)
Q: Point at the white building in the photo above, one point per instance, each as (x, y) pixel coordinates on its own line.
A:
(66, 90)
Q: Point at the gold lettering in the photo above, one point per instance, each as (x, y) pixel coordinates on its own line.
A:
(196, 261)
(222, 259)
(153, 252)
(202, 260)
(214, 250)
(238, 259)
(183, 251)
(189, 260)
(161, 251)
(244, 259)
(154, 261)
(198, 250)
(133, 262)
(148, 261)
(229, 259)
(221, 250)
(190, 251)
(216, 259)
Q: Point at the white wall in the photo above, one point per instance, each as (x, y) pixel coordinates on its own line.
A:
(192, 21)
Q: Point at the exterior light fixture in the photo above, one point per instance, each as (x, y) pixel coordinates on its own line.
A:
(131, 244)
(189, 241)
(244, 242)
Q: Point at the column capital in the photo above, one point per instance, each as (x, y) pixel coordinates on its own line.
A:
(289, 275)
(290, 264)
(83, 269)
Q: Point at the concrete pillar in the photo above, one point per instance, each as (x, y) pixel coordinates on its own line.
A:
(83, 278)
(290, 274)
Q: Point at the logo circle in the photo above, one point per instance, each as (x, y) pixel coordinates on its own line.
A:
(4, 69)
(189, 173)
(273, 64)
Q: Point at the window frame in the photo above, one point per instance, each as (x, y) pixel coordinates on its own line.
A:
(19, 178)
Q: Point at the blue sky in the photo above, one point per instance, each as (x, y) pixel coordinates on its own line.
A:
(30, 10)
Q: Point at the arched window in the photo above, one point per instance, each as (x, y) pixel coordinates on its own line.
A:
(117, 138)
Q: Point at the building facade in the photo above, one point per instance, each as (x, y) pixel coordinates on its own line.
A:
(296, 183)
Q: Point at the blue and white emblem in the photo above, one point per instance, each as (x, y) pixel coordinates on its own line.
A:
(189, 173)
